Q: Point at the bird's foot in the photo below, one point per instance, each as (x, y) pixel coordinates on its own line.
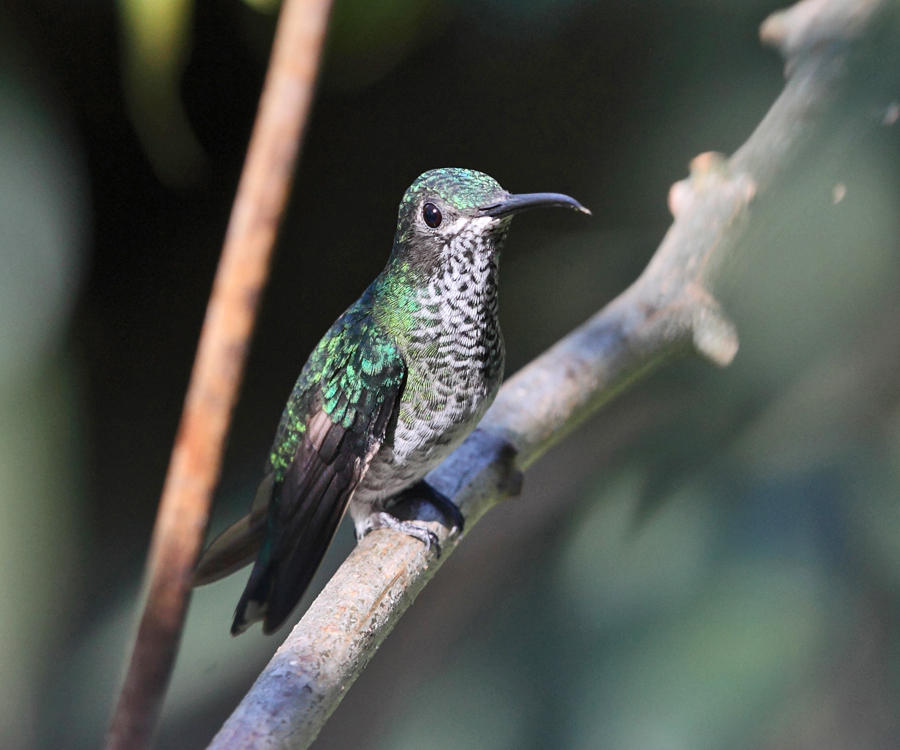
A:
(384, 520)
(406, 500)
(421, 490)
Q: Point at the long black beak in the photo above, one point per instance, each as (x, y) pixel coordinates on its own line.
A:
(524, 201)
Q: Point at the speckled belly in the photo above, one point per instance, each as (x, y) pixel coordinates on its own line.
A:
(420, 443)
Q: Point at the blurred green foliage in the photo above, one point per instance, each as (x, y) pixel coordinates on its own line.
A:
(712, 562)
(42, 224)
(155, 42)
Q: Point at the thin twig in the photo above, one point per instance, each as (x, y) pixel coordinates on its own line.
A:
(669, 309)
(218, 367)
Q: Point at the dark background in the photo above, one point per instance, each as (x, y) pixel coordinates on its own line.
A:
(711, 562)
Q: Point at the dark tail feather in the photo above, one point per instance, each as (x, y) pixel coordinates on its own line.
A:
(311, 501)
(325, 495)
(234, 548)
(276, 586)
(253, 603)
(294, 574)
(283, 571)
(239, 544)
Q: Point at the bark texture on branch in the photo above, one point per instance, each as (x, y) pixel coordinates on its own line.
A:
(218, 367)
(669, 309)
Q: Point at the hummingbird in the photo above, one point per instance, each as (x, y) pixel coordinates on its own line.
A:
(396, 384)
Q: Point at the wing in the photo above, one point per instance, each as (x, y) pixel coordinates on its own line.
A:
(337, 418)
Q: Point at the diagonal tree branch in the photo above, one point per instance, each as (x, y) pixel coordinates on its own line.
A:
(668, 310)
(218, 367)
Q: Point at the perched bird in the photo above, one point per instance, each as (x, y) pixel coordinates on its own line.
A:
(391, 389)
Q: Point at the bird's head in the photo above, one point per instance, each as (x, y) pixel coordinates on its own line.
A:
(451, 213)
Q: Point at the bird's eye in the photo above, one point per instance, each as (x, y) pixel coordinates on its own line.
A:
(432, 215)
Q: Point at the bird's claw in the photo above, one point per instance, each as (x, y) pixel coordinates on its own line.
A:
(417, 493)
(421, 490)
(384, 520)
